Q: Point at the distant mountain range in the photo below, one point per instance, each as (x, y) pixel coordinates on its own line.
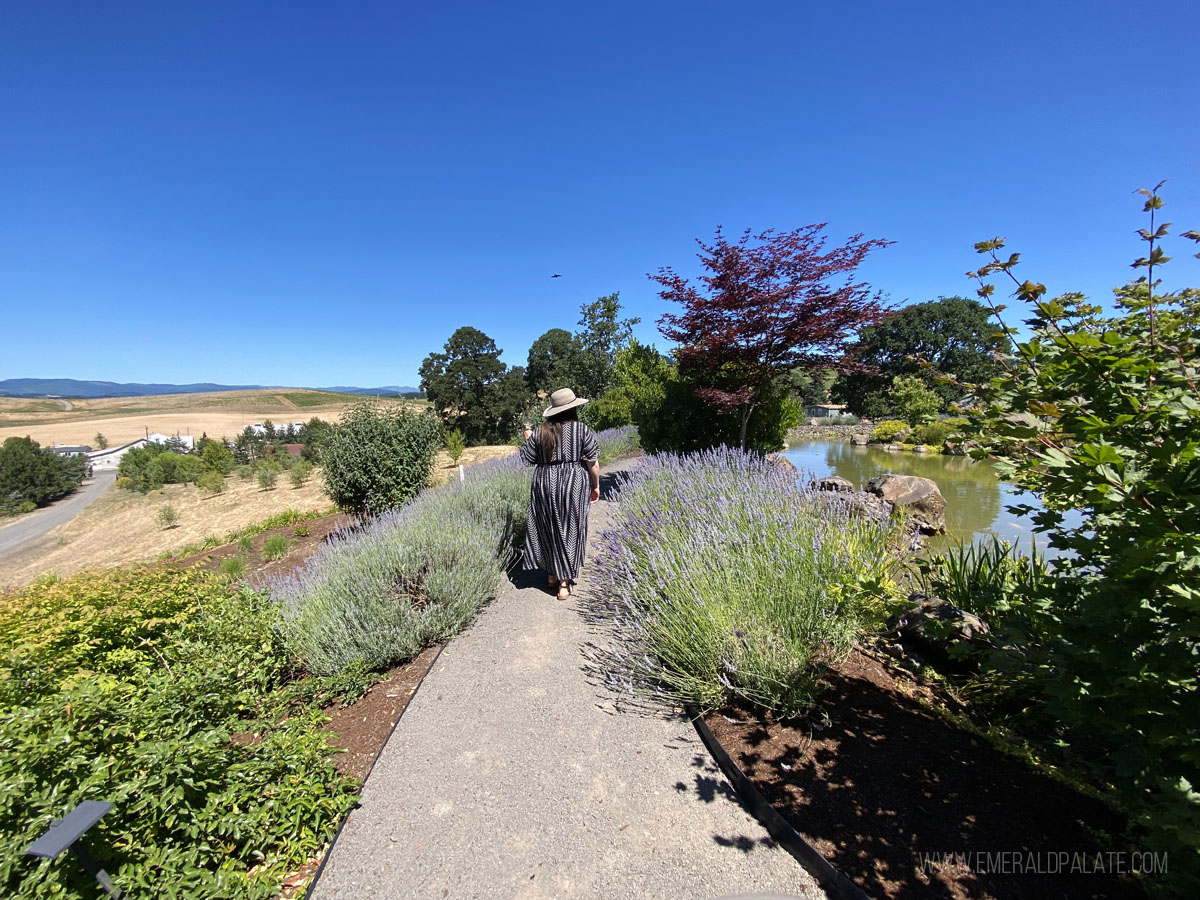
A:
(69, 387)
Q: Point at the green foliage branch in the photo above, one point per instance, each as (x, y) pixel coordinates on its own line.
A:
(163, 692)
(1101, 414)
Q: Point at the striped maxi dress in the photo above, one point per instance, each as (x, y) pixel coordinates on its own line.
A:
(558, 501)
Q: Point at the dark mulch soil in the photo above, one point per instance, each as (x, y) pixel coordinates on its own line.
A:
(888, 779)
(361, 730)
(259, 569)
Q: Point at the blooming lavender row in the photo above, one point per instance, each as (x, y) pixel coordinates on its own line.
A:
(378, 592)
(615, 442)
(720, 578)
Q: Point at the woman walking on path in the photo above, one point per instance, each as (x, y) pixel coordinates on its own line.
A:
(565, 483)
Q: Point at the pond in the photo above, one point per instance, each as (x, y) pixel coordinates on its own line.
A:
(976, 499)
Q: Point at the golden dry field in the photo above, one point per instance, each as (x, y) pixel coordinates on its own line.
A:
(122, 526)
(124, 419)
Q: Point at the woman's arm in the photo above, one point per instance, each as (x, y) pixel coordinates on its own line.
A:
(593, 467)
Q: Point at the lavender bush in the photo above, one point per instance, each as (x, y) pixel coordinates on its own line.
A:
(722, 580)
(615, 442)
(376, 594)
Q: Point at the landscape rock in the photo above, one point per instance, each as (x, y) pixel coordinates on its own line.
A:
(959, 448)
(860, 440)
(833, 483)
(932, 630)
(917, 497)
(783, 462)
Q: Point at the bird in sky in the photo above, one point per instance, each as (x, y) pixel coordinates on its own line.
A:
(556, 276)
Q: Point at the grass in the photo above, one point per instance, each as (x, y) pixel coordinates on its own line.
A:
(276, 547)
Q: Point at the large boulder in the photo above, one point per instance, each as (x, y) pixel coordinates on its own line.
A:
(860, 440)
(917, 497)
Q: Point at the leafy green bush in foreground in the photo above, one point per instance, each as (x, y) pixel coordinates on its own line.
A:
(1101, 413)
(131, 687)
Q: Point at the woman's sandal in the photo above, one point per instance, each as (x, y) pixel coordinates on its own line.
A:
(564, 589)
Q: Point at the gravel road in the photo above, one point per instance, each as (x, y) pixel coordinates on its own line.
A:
(14, 537)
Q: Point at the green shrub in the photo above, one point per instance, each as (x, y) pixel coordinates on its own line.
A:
(413, 575)
(167, 516)
(300, 472)
(267, 478)
(673, 419)
(246, 544)
(301, 531)
(233, 567)
(129, 686)
(217, 458)
(913, 400)
(211, 482)
(26, 506)
(275, 547)
(1098, 413)
(933, 434)
(887, 431)
(378, 457)
(244, 473)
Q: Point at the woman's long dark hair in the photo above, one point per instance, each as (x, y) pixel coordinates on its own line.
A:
(550, 431)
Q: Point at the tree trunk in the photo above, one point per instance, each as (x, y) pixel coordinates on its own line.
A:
(746, 410)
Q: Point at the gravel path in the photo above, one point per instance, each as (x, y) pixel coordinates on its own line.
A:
(512, 776)
(14, 537)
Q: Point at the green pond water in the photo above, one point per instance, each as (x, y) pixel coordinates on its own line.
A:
(976, 499)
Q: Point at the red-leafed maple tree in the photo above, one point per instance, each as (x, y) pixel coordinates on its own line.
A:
(766, 304)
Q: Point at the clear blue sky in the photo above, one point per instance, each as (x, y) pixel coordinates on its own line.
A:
(315, 193)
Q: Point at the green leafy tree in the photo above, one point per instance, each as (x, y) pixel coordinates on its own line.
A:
(379, 457)
(602, 334)
(555, 361)
(30, 473)
(267, 478)
(300, 472)
(672, 416)
(472, 390)
(811, 386)
(1100, 414)
(101, 441)
(455, 445)
(949, 343)
(215, 457)
(913, 401)
(640, 373)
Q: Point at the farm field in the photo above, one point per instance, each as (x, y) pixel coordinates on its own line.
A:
(122, 527)
(124, 419)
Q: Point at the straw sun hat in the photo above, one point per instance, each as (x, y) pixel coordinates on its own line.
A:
(562, 400)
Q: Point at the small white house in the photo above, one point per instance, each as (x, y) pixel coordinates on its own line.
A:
(825, 410)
